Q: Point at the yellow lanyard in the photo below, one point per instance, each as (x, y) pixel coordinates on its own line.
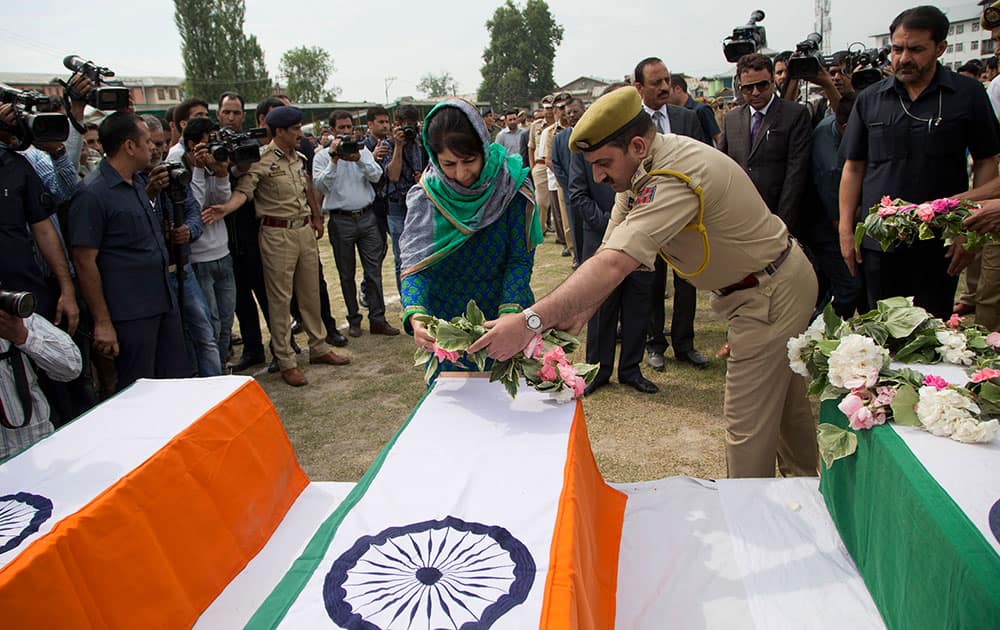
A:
(698, 225)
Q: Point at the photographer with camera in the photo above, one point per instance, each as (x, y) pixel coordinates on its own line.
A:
(344, 173)
(403, 168)
(28, 341)
(122, 261)
(188, 109)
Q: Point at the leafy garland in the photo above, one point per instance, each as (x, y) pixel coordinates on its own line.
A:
(895, 220)
(543, 364)
(850, 360)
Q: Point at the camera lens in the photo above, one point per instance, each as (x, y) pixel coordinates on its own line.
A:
(17, 303)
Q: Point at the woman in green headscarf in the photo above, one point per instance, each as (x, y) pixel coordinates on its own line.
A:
(471, 225)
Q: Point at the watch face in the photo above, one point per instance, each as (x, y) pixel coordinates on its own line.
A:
(534, 322)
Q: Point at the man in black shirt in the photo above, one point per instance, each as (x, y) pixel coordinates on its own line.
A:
(907, 137)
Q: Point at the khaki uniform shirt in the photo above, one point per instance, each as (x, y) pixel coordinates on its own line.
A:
(277, 184)
(534, 131)
(744, 236)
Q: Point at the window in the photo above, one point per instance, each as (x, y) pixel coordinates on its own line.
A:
(959, 29)
(173, 94)
(951, 48)
(951, 30)
(986, 47)
(975, 27)
(959, 47)
(161, 94)
(885, 41)
(974, 46)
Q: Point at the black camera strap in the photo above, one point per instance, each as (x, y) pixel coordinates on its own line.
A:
(13, 356)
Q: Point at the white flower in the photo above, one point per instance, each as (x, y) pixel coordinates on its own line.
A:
(975, 432)
(816, 329)
(795, 347)
(856, 362)
(953, 349)
(942, 411)
(563, 394)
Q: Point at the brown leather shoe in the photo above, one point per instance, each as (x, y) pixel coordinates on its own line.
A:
(330, 358)
(294, 377)
(383, 327)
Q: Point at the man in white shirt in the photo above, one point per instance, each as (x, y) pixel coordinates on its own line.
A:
(344, 174)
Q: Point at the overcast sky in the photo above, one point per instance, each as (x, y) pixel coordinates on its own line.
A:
(372, 40)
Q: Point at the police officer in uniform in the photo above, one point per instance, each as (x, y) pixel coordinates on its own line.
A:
(288, 234)
(683, 200)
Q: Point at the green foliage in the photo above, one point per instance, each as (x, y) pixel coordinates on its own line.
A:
(518, 62)
(436, 85)
(306, 70)
(835, 443)
(218, 56)
(904, 407)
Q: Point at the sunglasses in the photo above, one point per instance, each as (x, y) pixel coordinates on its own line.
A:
(760, 86)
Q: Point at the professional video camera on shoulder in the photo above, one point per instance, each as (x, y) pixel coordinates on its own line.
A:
(102, 94)
(806, 61)
(745, 39)
(28, 126)
(867, 65)
(226, 145)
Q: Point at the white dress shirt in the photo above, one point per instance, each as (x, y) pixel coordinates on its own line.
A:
(345, 185)
(665, 117)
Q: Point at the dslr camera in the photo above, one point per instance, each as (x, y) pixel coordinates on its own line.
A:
(179, 179)
(102, 95)
(409, 132)
(17, 303)
(348, 146)
(31, 127)
(227, 145)
(867, 65)
(806, 61)
(745, 39)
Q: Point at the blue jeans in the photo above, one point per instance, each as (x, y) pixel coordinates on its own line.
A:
(218, 284)
(198, 334)
(396, 221)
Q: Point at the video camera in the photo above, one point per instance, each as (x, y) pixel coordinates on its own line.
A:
(867, 65)
(807, 60)
(17, 303)
(179, 179)
(348, 146)
(228, 145)
(31, 127)
(745, 39)
(102, 95)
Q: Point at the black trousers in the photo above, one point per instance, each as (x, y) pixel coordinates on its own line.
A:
(361, 232)
(919, 270)
(151, 347)
(628, 304)
(682, 319)
(249, 274)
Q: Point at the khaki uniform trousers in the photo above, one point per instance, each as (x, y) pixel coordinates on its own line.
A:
(541, 182)
(968, 297)
(988, 290)
(291, 260)
(768, 416)
(564, 213)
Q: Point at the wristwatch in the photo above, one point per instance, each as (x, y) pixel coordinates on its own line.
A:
(532, 320)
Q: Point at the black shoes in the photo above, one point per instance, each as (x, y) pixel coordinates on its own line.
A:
(641, 384)
(334, 337)
(693, 357)
(248, 361)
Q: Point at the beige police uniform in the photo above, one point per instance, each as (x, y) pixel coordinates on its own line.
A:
(563, 210)
(277, 184)
(768, 415)
(538, 175)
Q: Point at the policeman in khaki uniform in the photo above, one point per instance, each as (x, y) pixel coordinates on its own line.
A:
(536, 157)
(685, 201)
(289, 229)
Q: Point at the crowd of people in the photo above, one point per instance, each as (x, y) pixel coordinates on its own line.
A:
(143, 242)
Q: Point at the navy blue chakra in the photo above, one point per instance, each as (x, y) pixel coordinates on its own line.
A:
(995, 520)
(435, 574)
(21, 515)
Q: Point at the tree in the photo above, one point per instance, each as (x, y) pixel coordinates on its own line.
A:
(435, 85)
(218, 56)
(518, 62)
(306, 70)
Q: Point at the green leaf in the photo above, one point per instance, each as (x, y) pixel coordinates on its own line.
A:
(587, 371)
(432, 366)
(421, 357)
(835, 443)
(903, 404)
(831, 392)
(501, 369)
(909, 352)
(473, 314)
(510, 384)
(479, 358)
(877, 332)
(924, 232)
(827, 346)
(990, 392)
(817, 386)
(906, 376)
(902, 322)
(886, 305)
(859, 235)
(832, 322)
(450, 337)
(977, 342)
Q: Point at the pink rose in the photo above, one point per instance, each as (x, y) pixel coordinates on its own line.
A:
(851, 404)
(943, 206)
(445, 355)
(862, 419)
(578, 386)
(547, 373)
(555, 355)
(954, 320)
(887, 211)
(907, 208)
(886, 201)
(984, 374)
(993, 339)
(925, 212)
(567, 372)
(935, 381)
(535, 348)
(878, 417)
(884, 395)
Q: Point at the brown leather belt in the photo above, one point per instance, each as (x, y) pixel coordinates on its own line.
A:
(537, 162)
(284, 223)
(751, 280)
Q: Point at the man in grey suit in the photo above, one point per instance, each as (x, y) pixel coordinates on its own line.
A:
(771, 139)
(652, 80)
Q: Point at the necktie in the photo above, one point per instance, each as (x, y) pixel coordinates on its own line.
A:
(758, 118)
(658, 119)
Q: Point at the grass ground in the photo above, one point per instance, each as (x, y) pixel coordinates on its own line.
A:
(340, 421)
